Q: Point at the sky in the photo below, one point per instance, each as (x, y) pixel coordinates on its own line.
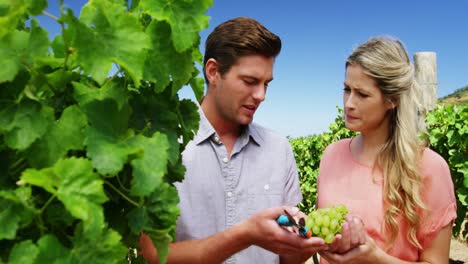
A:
(317, 37)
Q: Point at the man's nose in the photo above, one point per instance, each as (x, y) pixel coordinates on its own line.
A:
(259, 93)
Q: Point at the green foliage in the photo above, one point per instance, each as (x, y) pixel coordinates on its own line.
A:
(88, 160)
(447, 134)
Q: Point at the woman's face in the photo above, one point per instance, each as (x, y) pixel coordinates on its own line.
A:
(365, 107)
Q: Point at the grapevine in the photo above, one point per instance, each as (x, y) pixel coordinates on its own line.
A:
(92, 128)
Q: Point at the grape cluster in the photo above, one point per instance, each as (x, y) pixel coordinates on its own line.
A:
(326, 222)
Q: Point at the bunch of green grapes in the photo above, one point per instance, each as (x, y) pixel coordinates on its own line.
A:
(326, 222)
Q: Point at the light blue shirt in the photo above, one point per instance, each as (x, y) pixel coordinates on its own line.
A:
(219, 192)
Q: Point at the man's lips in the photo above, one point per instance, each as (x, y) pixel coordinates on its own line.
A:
(250, 108)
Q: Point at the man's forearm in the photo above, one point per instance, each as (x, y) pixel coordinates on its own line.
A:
(213, 249)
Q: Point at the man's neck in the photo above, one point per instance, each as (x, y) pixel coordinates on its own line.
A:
(227, 131)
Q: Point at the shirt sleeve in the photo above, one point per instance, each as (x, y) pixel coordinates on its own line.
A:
(439, 197)
(293, 194)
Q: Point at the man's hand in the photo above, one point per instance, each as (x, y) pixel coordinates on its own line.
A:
(264, 231)
(261, 229)
(147, 249)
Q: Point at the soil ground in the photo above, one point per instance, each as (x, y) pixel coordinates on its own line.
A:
(458, 252)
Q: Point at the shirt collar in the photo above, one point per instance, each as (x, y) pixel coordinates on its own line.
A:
(206, 131)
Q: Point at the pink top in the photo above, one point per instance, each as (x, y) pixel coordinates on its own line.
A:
(342, 180)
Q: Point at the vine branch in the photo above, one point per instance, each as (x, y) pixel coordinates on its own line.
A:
(121, 194)
(50, 15)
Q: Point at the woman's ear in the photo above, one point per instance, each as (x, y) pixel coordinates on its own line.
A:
(211, 71)
(390, 104)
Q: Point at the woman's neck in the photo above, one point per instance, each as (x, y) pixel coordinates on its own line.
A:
(367, 146)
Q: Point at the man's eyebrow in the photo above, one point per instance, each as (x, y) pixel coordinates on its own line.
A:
(255, 78)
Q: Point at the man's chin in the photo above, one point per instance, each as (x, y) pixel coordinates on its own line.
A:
(245, 121)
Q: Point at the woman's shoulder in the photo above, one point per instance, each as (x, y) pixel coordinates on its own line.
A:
(339, 146)
(336, 150)
(434, 169)
(433, 160)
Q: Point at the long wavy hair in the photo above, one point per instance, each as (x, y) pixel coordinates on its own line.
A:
(386, 61)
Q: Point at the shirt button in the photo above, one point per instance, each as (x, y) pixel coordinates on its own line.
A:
(225, 159)
(229, 194)
(267, 187)
(216, 139)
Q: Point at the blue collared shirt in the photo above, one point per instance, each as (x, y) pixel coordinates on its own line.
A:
(220, 191)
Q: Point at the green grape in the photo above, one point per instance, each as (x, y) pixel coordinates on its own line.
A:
(318, 220)
(314, 214)
(326, 222)
(334, 224)
(334, 215)
(316, 230)
(329, 238)
(310, 221)
(325, 231)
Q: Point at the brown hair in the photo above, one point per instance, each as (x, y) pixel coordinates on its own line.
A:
(239, 37)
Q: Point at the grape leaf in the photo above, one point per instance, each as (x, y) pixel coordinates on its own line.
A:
(102, 249)
(150, 168)
(156, 67)
(23, 123)
(77, 187)
(192, 13)
(51, 251)
(19, 49)
(65, 134)
(12, 12)
(24, 252)
(16, 210)
(106, 33)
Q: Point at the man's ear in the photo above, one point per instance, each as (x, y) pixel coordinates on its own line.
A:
(211, 71)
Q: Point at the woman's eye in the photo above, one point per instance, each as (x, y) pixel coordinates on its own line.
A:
(363, 95)
(346, 90)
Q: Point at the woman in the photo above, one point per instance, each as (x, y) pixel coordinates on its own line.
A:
(399, 193)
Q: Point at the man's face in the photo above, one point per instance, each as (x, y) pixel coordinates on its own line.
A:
(239, 92)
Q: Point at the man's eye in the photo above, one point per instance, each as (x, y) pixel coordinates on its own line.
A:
(363, 95)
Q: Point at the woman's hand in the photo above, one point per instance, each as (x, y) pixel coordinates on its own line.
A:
(353, 234)
(353, 245)
(365, 253)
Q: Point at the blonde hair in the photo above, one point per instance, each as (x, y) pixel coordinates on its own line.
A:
(386, 61)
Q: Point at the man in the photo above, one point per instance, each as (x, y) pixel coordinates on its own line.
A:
(238, 173)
